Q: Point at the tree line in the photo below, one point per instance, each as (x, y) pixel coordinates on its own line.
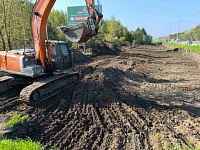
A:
(14, 23)
(15, 29)
(193, 35)
(114, 31)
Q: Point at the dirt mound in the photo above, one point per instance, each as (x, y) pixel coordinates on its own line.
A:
(103, 48)
(99, 88)
(126, 44)
(141, 98)
(78, 56)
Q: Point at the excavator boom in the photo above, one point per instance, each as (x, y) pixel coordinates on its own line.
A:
(38, 27)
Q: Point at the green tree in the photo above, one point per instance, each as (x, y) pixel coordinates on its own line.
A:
(112, 27)
(193, 35)
(113, 31)
(56, 19)
(138, 36)
(15, 23)
(15, 31)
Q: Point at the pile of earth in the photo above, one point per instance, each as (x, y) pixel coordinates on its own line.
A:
(79, 56)
(103, 48)
(97, 49)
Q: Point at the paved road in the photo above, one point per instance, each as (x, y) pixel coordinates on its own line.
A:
(196, 42)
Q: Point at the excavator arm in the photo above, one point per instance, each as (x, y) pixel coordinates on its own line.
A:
(80, 33)
(39, 19)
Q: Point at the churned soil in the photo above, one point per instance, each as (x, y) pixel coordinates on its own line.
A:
(142, 97)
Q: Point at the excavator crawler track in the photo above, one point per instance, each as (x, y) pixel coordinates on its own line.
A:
(44, 89)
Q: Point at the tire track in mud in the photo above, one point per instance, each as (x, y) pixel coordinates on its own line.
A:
(9, 100)
(116, 125)
(137, 123)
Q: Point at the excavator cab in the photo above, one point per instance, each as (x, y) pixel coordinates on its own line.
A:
(60, 55)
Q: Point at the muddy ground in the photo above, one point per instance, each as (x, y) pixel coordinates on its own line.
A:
(137, 98)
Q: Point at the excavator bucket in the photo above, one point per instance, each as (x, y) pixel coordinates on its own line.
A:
(78, 33)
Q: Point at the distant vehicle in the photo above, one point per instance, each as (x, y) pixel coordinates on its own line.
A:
(177, 41)
(189, 42)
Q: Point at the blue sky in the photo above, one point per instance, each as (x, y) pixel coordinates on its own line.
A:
(156, 16)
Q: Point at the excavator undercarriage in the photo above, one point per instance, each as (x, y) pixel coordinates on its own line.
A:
(42, 88)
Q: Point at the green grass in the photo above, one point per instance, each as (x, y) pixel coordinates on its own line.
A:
(91, 55)
(188, 47)
(171, 49)
(155, 42)
(74, 45)
(189, 147)
(15, 119)
(181, 148)
(19, 144)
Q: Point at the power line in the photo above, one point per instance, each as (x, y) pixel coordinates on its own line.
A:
(189, 21)
(193, 16)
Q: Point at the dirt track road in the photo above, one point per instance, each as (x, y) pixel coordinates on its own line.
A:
(141, 98)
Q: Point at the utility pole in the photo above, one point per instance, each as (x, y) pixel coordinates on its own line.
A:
(179, 25)
(170, 30)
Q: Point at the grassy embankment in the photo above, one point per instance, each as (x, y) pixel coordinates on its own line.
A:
(156, 43)
(188, 47)
(18, 144)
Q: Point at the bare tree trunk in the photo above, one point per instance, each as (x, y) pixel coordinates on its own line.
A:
(3, 41)
(5, 26)
(9, 24)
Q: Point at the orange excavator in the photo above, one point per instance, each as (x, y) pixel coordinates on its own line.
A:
(43, 69)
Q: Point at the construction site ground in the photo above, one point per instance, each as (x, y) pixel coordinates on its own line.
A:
(143, 97)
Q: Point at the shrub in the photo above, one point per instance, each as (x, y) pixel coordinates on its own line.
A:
(123, 39)
(15, 119)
